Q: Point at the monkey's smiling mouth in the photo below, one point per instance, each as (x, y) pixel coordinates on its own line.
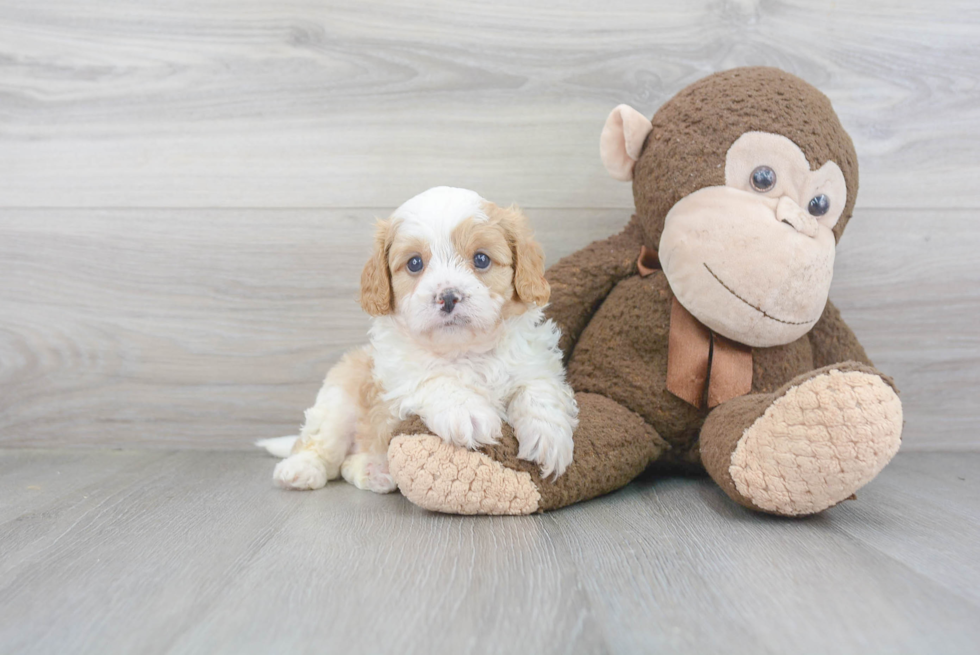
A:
(758, 309)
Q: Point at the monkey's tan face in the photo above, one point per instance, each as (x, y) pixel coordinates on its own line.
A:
(753, 259)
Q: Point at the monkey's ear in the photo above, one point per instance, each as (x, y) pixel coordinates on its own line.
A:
(377, 298)
(622, 141)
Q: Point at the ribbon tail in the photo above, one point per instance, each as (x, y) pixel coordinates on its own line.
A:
(688, 352)
(731, 370)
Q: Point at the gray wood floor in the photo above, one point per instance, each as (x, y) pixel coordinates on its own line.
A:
(196, 552)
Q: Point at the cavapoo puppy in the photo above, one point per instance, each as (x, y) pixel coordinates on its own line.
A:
(456, 287)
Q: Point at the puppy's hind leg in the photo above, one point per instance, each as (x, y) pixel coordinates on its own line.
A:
(323, 443)
(366, 466)
(369, 471)
(329, 428)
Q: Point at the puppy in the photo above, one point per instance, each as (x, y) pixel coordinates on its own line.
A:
(456, 287)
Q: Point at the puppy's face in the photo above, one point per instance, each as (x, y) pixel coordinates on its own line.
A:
(451, 266)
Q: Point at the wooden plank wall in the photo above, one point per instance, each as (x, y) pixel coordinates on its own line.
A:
(186, 188)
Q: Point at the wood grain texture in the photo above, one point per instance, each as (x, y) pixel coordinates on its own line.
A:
(336, 104)
(198, 553)
(203, 329)
(908, 283)
(34, 478)
(208, 329)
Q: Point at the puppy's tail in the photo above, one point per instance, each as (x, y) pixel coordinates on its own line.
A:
(278, 446)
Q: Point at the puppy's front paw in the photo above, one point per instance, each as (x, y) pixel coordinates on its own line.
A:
(304, 470)
(469, 425)
(547, 443)
(369, 472)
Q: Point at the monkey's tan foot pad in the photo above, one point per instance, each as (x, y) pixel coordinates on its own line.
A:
(443, 478)
(819, 443)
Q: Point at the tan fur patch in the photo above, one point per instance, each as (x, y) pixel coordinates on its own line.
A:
(354, 373)
(403, 248)
(374, 423)
(819, 443)
(529, 281)
(490, 238)
(376, 293)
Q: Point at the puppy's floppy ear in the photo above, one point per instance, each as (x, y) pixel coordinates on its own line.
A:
(377, 298)
(529, 281)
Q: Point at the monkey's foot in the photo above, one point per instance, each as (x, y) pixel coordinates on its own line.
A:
(443, 478)
(820, 440)
(612, 446)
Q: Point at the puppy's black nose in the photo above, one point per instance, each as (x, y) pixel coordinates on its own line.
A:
(448, 300)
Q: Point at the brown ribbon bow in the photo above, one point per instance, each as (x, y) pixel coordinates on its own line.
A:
(703, 367)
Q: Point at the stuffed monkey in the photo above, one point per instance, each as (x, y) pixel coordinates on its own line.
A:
(701, 335)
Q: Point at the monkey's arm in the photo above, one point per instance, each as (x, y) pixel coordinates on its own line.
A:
(582, 280)
(833, 342)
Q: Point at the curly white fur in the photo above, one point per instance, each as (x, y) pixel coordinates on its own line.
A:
(463, 395)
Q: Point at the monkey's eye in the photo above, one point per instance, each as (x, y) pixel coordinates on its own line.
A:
(763, 179)
(819, 205)
(481, 260)
(414, 264)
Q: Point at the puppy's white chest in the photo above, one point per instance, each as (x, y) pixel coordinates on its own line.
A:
(413, 377)
(486, 374)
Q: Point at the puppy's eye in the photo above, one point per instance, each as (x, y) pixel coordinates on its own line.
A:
(819, 205)
(481, 260)
(763, 179)
(414, 264)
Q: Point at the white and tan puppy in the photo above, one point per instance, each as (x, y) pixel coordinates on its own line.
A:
(456, 287)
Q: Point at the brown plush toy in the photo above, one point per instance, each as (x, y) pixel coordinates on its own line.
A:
(701, 335)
